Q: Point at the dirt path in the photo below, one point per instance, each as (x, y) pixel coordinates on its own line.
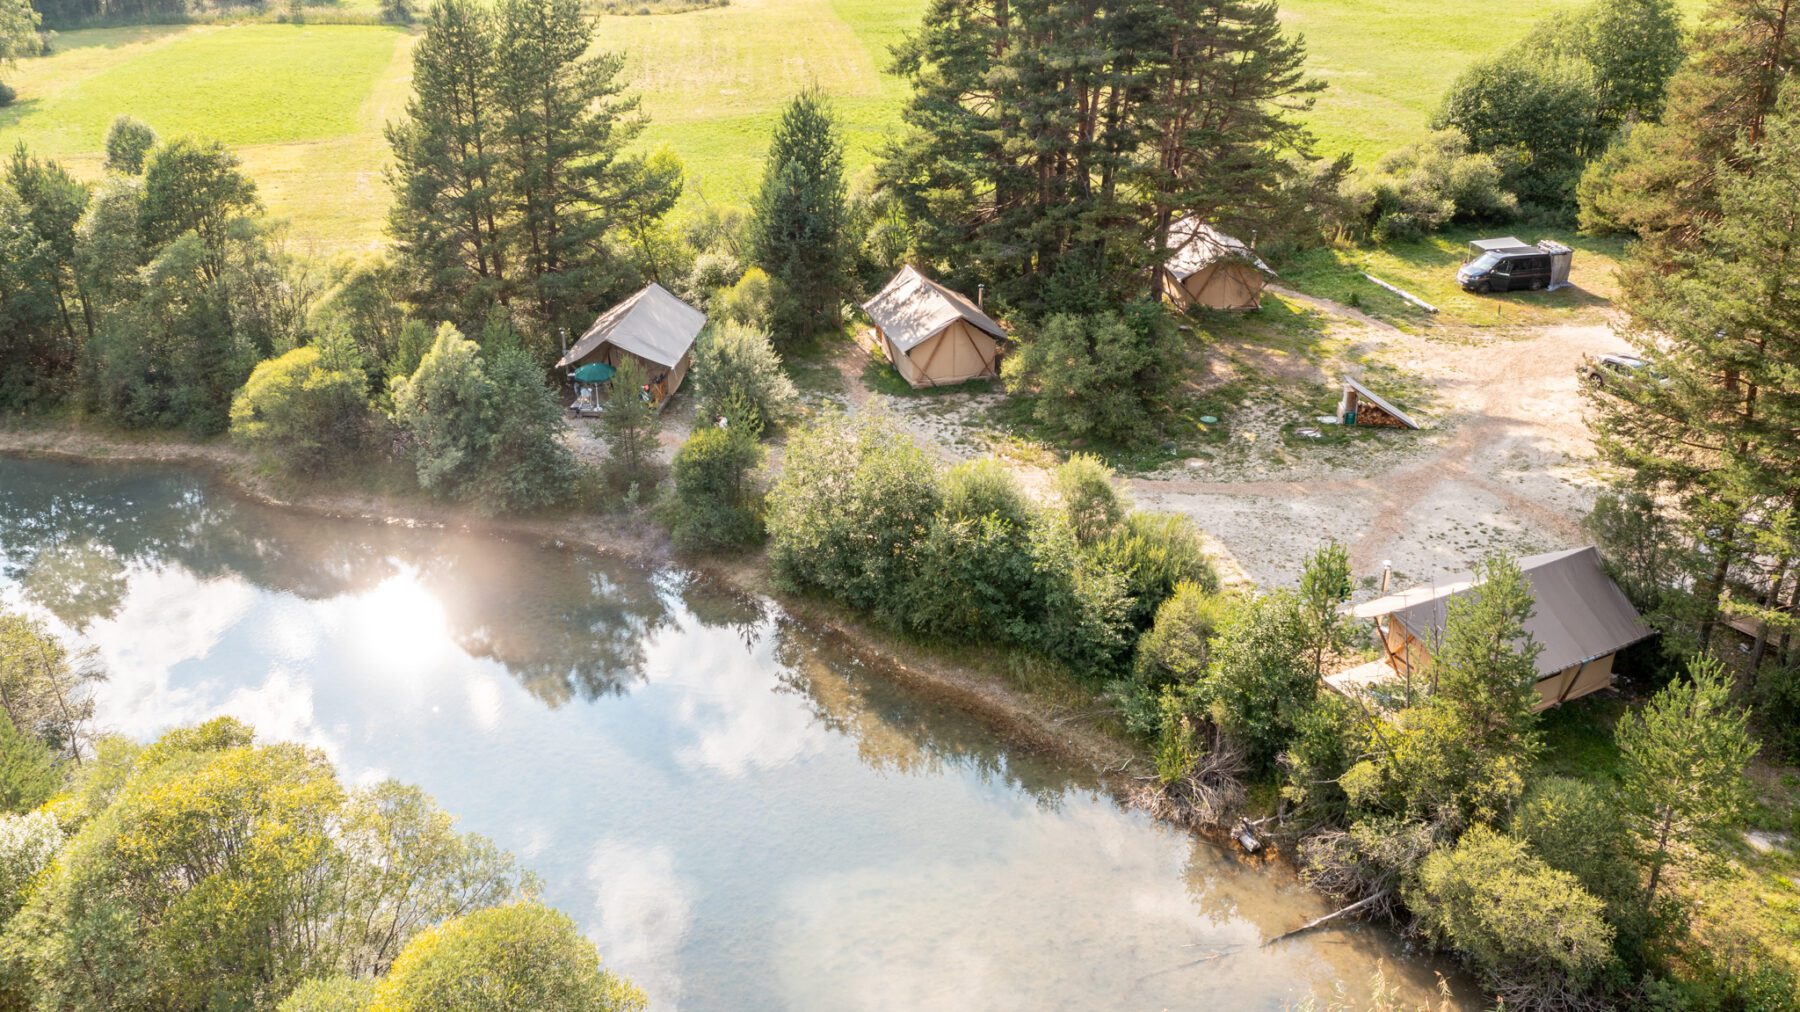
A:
(1503, 465)
(1503, 462)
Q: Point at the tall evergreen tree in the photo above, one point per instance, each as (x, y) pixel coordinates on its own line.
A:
(1059, 140)
(566, 121)
(447, 176)
(800, 237)
(1717, 433)
(1662, 181)
(1682, 761)
(510, 174)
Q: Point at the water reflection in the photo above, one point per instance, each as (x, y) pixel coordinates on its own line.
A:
(740, 814)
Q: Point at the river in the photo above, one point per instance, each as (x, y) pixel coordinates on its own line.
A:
(739, 815)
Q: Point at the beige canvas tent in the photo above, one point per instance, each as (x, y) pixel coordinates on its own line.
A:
(1580, 618)
(652, 326)
(934, 336)
(1208, 268)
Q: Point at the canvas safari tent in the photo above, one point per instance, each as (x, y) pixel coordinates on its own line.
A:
(652, 326)
(932, 335)
(1580, 618)
(1208, 268)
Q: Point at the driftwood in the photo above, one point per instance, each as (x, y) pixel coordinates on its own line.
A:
(1363, 903)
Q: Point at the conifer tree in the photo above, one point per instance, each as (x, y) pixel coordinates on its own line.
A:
(1050, 145)
(800, 238)
(630, 423)
(449, 193)
(1662, 181)
(566, 121)
(1682, 782)
(1715, 432)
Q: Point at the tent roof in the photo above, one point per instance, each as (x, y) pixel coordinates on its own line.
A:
(1195, 245)
(1579, 613)
(912, 308)
(652, 325)
(1504, 244)
(1405, 419)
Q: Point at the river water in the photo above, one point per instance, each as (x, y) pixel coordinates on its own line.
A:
(740, 815)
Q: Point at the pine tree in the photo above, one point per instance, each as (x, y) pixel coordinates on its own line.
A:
(1050, 144)
(630, 423)
(566, 122)
(800, 237)
(1682, 771)
(1714, 433)
(449, 195)
(1485, 668)
(1662, 181)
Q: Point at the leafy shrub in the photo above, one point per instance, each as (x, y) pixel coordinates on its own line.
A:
(1540, 117)
(1098, 375)
(520, 956)
(1090, 501)
(1423, 186)
(331, 994)
(527, 464)
(1318, 754)
(306, 410)
(851, 504)
(1175, 651)
(1156, 552)
(28, 774)
(1085, 617)
(716, 502)
(7, 94)
(28, 843)
(1575, 826)
(1532, 930)
(713, 271)
(128, 144)
(736, 368)
(1259, 679)
(975, 575)
(748, 302)
(446, 409)
(397, 12)
(1430, 767)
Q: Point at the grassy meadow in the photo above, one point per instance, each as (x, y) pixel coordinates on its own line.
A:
(305, 104)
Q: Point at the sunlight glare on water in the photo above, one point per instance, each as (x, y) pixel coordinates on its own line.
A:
(740, 813)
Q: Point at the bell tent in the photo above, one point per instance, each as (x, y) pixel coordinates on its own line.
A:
(652, 326)
(932, 335)
(1208, 268)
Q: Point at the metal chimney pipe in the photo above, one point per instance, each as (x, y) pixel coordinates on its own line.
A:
(981, 297)
(1387, 570)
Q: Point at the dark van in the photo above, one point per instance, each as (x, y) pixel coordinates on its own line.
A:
(1507, 270)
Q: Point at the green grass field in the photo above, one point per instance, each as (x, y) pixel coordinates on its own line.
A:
(305, 104)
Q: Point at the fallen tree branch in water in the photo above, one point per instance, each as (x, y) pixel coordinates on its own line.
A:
(1316, 922)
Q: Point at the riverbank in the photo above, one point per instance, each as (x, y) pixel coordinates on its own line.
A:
(1047, 714)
